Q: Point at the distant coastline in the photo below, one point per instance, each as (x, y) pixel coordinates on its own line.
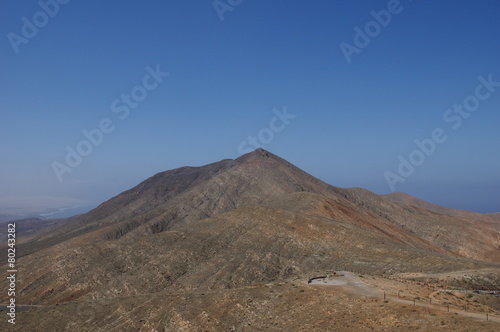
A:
(66, 212)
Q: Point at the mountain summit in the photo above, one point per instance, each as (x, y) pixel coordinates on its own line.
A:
(235, 223)
(260, 178)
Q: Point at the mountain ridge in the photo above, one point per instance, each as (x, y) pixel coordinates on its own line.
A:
(408, 199)
(193, 193)
(234, 223)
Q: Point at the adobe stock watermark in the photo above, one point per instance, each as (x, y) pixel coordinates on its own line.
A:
(29, 29)
(454, 117)
(363, 37)
(223, 6)
(277, 124)
(122, 107)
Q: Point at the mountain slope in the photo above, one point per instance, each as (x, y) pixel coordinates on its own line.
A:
(194, 193)
(237, 222)
(495, 216)
(413, 201)
(249, 245)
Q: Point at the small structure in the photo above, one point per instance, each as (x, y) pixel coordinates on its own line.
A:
(315, 278)
(328, 275)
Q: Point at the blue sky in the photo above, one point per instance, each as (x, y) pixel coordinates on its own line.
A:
(353, 120)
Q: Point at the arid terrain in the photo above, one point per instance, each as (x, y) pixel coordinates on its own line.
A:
(230, 246)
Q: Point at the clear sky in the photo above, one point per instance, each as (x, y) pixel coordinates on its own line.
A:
(360, 99)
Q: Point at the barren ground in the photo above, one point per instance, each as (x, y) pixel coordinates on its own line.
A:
(351, 303)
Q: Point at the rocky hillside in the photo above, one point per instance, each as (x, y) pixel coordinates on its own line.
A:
(237, 223)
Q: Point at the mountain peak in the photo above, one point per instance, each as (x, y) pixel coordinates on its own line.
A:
(238, 223)
(257, 155)
(258, 152)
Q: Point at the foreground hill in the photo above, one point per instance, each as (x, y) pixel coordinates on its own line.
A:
(237, 223)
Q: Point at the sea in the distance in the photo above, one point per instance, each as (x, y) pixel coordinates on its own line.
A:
(66, 212)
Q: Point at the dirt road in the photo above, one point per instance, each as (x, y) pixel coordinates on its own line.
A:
(353, 283)
(350, 282)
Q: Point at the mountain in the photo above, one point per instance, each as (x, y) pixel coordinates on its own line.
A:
(231, 225)
(413, 201)
(261, 178)
(495, 216)
(27, 230)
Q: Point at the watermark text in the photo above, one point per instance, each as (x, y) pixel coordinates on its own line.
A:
(454, 117)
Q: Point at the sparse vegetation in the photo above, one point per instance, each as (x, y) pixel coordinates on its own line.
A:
(197, 247)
